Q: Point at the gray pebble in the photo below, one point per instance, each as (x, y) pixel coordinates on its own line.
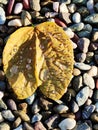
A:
(2, 16)
(60, 108)
(74, 107)
(96, 7)
(96, 106)
(81, 57)
(93, 18)
(87, 27)
(35, 108)
(11, 104)
(82, 96)
(82, 66)
(30, 99)
(95, 96)
(84, 33)
(88, 81)
(36, 117)
(77, 27)
(8, 115)
(76, 17)
(4, 126)
(2, 105)
(72, 8)
(88, 110)
(77, 83)
(83, 11)
(35, 5)
(83, 126)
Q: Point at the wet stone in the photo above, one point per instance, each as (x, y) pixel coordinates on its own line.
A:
(4, 126)
(39, 126)
(82, 96)
(36, 117)
(82, 66)
(11, 104)
(88, 110)
(8, 115)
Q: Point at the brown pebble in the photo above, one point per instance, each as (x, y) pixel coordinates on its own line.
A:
(23, 107)
(10, 6)
(76, 72)
(75, 38)
(17, 122)
(59, 22)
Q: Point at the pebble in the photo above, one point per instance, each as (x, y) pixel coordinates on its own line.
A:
(77, 27)
(11, 104)
(93, 46)
(94, 117)
(83, 126)
(90, 6)
(95, 36)
(89, 57)
(2, 105)
(83, 44)
(20, 127)
(66, 17)
(78, 1)
(35, 5)
(23, 107)
(76, 72)
(92, 19)
(1, 95)
(88, 110)
(77, 83)
(76, 17)
(96, 7)
(88, 81)
(72, 92)
(95, 95)
(4, 2)
(52, 122)
(8, 115)
(93, 72)
(26, 4)
(36, 117)
(82, 96)
(81, 57)
(1, 118)
(35, 108)
(60, 108)
(97, 83)
(56, 6)
(87, 27)
(4, 126)
(67, 123)
(46, 114)
(69, 32)
(82, 66)
(39, 126)
(88, 102)
(17, 122)
(74, 107)
(27, 126)
(18, 8)
(60, 23)
(68, 115)
(74, 45)
(10, 6)
(63, 8)
(15, 22)
(2, 16)
(96, 106)
(2, 75)
(83, 11)
(72, 8)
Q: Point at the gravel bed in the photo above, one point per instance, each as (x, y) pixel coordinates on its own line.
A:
(78, 108)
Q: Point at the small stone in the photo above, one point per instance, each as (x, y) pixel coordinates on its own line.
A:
(2, 105)
(88, 110)
(17, 122)
(69, 32)
(63, 8)
(26, 18)
(87, 27)
(89, 57)
(8, 115)
(83, 126)
(46, 114)
(11, 104)
(93, 72)
(94, 117)
(2, 16)
(67, 123)
(77, 83)
(88, 102)
(39, 126)
(35, 108)
(2, 86)
(4, 2)
(78, 1)
(76, 72)
(90, 93)
(20, 127)
(60, 108)
(35, 5)
(77, 27)
(60, 23)
(23, 115)
(96, 7)
(68, 115)
(18, 8)
(72, 92)
(95, 95)
(23, 107)
(95, 36)
(92, 19)
(84, 33)
(51, 14)
(97, 83)
(96, 58)
(27, 126)
(36, 117)
(56, 6)
(74, 45)
(76, 17)
(1, 95)
(83, 11)
(81, 57)
(95, 126)
(90, 6)
(74, 107)
(83, 44)
(82, 96)
(1, 118)
(78, 115)
(52, 122)
(72, 8)
(30, 99)
(26, 4)
(10, 6)
(93, 46)
(88, 81)
(96, 106)
(45, 104)
(4, 126)
(82, 66)
(15, 22)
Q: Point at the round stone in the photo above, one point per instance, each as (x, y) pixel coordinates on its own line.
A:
(36, 117)
(76, 17)
(30, 99)
(11, 104)
(18, 8)
(15, 22)
(2, 16)
(93, 72)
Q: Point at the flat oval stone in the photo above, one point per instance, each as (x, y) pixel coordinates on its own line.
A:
(82, 96)
(11, 104)
(18, 8)
(35, 5)
(88, 81)
(82, 66)
(67, 123)
(2, 16)
(56, 6)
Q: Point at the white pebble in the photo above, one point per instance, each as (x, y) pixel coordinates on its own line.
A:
(93, 72)
(2, 16)
(69, 32)
(76, 17)
(18, 8)
(15, 22)
(74, 44)
(67, 123)
(63, 8)
(1, 95)
(56, 6)
(72, 8)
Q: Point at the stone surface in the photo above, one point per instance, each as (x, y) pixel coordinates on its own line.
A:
(1, 95)
(96, 106)
(18, 8)
(35, 108)
(26, 4)
(39, 126)
(82, 66)
(93, 72)
(36, 117)
(76, 17)
(94, 117)
(74, 107)
(30, 99)
(2, 105)
(92, 19)
(89, 57)
(1, 118)
(56, 6)
(82, 96)
(8, 115)
(20, 127)
(76, 72)
(95, 95)
(4, 126)
(81, 57)
(2, 16)
(67, 123)
(35, 5)
(77, 27)
(83, 126)
(17, 122)
(63, 8)
(11, 104)
(88, 81)
(15, 22)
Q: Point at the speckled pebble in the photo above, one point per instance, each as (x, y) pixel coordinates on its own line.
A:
(30, 99)
(88, 110)
(67, 123)
(4, 126)
(18, 8)
(11, 104)
(82, 66)
(82, 96)
(76, 17)
(36, 117)
(2, 16)
(8, 115)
